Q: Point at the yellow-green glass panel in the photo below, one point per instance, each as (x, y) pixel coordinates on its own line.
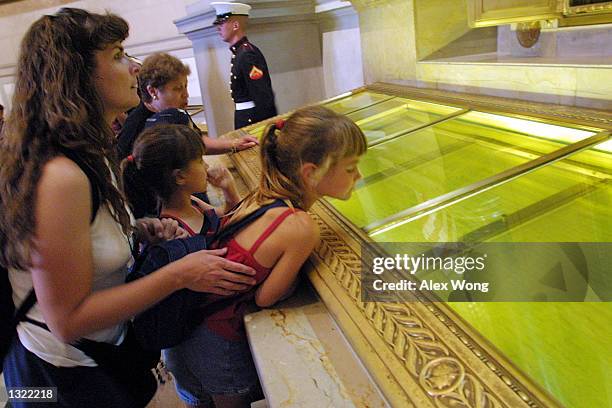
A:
(566, 201)
(257, 131)
(397, 116)
(357, 101)
(539, 129)
(425, 164)
(564, 347)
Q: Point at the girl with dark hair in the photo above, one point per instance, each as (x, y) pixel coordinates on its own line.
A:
(167, 159)
(65, 230)
(313, 154)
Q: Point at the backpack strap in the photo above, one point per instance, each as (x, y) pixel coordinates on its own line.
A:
(91, 176)
(232, 229)
(26, 305)
(268, 231)
(212, 224)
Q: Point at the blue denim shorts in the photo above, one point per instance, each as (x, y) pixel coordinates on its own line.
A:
(208, 364)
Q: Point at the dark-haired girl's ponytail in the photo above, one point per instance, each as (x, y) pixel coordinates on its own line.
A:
(138, 195)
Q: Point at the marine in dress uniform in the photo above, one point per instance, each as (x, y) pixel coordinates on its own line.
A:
(250, 83)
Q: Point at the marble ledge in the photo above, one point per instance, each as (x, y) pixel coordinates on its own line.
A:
(304, 361)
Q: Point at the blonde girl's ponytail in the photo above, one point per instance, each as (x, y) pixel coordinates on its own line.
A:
(313, 134)
(276, 179)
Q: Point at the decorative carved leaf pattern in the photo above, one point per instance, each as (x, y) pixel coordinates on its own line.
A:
(469, 394)
(411, 341)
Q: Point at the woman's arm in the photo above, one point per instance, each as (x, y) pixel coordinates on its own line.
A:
(301, 235)
(220, 146)
(62, 269)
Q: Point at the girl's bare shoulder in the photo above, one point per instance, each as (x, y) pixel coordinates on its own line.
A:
(299, 227)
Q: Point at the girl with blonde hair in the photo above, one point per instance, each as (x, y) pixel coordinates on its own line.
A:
(313, 154)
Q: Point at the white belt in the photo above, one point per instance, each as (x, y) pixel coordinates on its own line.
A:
(245, 105)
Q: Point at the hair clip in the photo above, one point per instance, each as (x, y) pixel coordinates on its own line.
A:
(130, 158)
(280, 124)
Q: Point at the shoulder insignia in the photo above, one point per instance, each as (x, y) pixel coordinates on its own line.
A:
(255, 73)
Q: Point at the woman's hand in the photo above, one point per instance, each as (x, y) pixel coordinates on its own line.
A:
(207, 271)
(244, 143)
(220, 146)
(154, 230)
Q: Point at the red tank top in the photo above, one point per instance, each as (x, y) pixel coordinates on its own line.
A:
(224, 314)
(210, 226)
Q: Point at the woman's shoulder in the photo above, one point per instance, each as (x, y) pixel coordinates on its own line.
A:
(62, 178)
(62, 171)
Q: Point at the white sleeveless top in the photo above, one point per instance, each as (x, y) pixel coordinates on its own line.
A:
(111, 255)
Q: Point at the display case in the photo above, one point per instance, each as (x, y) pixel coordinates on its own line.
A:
(484, 13)
(447, 167)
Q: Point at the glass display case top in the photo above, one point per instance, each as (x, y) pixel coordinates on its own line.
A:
(356, 101)
(531, 127)
(343, 105)
(397, 116)
(565, 201)
(565, 348)
(419, 166)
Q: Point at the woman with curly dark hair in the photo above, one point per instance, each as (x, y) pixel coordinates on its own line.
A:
(65, 230)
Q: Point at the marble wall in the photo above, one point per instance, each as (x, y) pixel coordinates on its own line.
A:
(411, 42)
(150, 22)
(341, 47)
(435, 30)
(151, 30)
(388, 40)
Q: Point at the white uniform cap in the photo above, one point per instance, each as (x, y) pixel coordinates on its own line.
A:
(225, 10)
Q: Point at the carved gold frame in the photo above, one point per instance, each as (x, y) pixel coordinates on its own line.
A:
(560, 10)
(603, 7)
(600, 13)
(421, 354)
(479, 17)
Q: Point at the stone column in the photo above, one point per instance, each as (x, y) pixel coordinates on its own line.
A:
(388, 39)
(287, 33)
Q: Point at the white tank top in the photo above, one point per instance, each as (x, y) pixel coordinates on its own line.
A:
(111, 255)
